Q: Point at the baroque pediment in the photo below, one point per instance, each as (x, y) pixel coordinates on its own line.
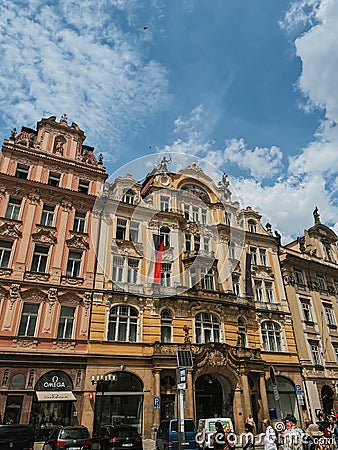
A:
(34, 295)
(10, 229)
(45, 235)
(77, 241)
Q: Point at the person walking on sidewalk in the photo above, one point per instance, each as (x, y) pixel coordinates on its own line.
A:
(270, 438)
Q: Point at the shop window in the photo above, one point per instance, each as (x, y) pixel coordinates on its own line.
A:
(66, 322)
(207, 328)
(28, 320)
(54, 179)
(74, 264)
(79, 222)
(271, 336)
(22, 171)
(166, 326)
(13, 208)
(13, 409)
(5, 253)
(40, 257)
(47, 216)
(122, 326)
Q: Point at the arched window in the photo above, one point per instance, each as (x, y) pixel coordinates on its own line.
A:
(129, 197)
(166, 325)
(242, 341)
(271, 336)
(252, 226)
(165, 232)
(122, 324)
(206, 328)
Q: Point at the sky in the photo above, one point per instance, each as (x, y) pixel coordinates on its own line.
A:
(250, 86)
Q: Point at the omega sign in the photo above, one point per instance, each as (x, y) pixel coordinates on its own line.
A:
(55, 380)
(54, 384)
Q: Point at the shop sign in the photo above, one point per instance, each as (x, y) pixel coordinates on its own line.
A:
(54, 381)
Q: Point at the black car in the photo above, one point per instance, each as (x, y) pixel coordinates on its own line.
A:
(16, 437)
(68, 438)
(120, 437)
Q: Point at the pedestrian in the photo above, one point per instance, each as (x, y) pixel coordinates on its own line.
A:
(251, 421)
(270, 438)
(293, 436)
(219, 439)
(248, 438)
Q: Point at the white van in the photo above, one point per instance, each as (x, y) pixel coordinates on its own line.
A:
(206, 428)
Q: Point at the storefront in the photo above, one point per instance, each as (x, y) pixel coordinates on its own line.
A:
(53, 402)
(282, 398)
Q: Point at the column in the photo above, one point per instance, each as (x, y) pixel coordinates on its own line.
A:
(189, 410)
(264, 413)
(246, 395)
(157, 393)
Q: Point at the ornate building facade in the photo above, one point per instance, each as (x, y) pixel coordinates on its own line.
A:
(310, 270)
(182, 267)
(49, 183)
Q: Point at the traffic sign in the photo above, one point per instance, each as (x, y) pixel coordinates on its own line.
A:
(182, 375)
(157, 402)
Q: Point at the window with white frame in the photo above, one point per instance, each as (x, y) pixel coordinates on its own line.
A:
(330, 319)
(299, 277)
(206, 244)
(134, 231)
(232, 250)
(39, 260)
(166, 325)
(307, 314)
(122, 325)
(235, 285)
(79, 222)
(316, 355)
(129, 197)
(118, 265)
(28, 319)
(207, 328)
(164, 203)
(5, 253)
(192, 277)
(187, 212)
(321, 283)
(207, 279)
(66, 322)
(22, 171)
(133, 270)
(74, 264)
(204, 215)
(166, 275)
(253, 252)
(258, 291)
(165, 232)
(121, 226)
(252, 226)
(271, 336)
(269, 292)
(47, 215)
(195, 215)
(13, 208)
(262, 257)
(187, 242)
(197, 243)
(54, 179)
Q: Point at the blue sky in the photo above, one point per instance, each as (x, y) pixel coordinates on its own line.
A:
(249, 85)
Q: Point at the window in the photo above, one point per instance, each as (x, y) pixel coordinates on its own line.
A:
(13, 208)
(242, 342)
(187, 212)
(197, 244)
(22, 171)
(118, 263)
(207, 278)
(206, 328)
(83, 186)
(47, 216)
(321, 283)
(54, 179)
(122, 324)
(165, 232)
(166, 275)
(79, 222)
(206, 244)
(252, 226)
(195, 214)
(307, 312)
(235, 285)
(5, 253)
(121, 226)
(132, 271)
(192, 277)
(316, 356)
(253, 252)
(28, 319)
(166, 325)
(66, 322)
(262, 256)
(232, 250)
(129, 197)
(271, 336)
(330, 319)
(188, 242)
(164, 203)
(133, 232)
(299, 277)
(258, 291)
(204, 216)
(74, 264)
(269, 292)
(39, 261)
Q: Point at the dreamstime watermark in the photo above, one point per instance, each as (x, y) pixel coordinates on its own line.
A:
(189, 205)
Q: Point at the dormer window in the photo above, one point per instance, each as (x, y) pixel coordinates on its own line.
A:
(252, 226)
(129, 197)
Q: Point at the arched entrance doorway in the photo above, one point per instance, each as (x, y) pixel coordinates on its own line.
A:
(119, 401)
(327, 399)
(214, 397)
(282, 401)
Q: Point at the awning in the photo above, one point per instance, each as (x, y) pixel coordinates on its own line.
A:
(55, 396)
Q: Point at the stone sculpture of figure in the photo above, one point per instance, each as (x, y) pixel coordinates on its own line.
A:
(316, 215)
(59, 148)
(13, 134)
(224, 182)
(186, 334)
(100, 160)
(162, 167)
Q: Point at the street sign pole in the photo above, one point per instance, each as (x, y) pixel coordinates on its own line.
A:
(181, 419)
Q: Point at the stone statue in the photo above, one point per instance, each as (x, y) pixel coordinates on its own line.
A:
(316, 216)
(162, 166)
(13, 134)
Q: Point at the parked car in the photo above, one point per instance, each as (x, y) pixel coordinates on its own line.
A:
(206, 428)
(167, 435)
(67, 438)
(120, 437)
(16, 437)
